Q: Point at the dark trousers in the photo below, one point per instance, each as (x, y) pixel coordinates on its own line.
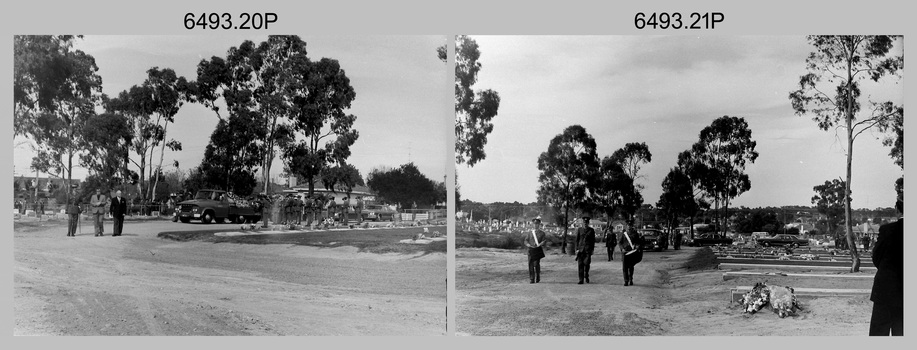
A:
(583, 261)
(629, 262)
(611, 253)
(535, 270)
(886, 319)
(71, 229)
(118, 225)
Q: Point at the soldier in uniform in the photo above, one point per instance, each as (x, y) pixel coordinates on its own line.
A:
(611, 240)
(73, 211)
(534, 241)
(584, 245)
(98, 202)
(632, 248)
(344, 209)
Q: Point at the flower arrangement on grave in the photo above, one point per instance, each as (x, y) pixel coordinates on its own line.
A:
(780, 298)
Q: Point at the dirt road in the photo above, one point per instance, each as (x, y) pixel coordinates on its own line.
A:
(138, 284)
(494, 297)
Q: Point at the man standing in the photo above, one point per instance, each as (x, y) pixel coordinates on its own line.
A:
(73, 211)
(118, 209)
(534, 240)
(584, 245)
(632, 253)
(611, 240)
(888, 286)
(98, 201)
(345, 209)
(359, 209)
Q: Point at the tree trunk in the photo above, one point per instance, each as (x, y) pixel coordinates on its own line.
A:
(851, 244)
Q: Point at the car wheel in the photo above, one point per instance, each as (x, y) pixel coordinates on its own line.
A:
(207, 218)
(184, 220)
(766, 244)
(239, 219)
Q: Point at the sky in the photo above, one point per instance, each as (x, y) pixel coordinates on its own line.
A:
(398, 82)
(663, 90)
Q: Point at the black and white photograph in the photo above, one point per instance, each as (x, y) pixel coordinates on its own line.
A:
(233, 184)
(679, 185)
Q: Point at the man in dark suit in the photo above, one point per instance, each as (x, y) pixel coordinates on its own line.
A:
(73, 213)
(534, 241)
(584, 245)
(611, 240)
(888, 286)
(118, 209)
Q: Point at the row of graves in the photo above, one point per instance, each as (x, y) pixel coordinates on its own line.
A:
(776, 278)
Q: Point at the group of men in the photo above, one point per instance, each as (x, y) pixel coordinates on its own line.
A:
(583, 246)
(294, 208)
(99, 205)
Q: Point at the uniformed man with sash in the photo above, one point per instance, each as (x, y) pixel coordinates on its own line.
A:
(534, 241)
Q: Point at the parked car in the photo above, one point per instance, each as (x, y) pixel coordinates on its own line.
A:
(783, 240)
(377, 212)
(654, 239)
(708, 239)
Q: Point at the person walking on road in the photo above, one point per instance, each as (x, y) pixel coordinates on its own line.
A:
(632, 248)
(73, 212)
(118, 209)
(534, 241)
(98, 202)
(611, 240)
(888, 286)
(584, 246)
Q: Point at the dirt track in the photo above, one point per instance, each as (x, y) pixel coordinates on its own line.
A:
(494, 297)
(138, 284)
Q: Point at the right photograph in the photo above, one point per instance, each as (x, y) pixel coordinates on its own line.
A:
(679, 185)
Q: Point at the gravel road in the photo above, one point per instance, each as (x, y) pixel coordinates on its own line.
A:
(138, 284)
(494, 297)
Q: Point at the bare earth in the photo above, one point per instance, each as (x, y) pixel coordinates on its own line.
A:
(494, 297)
(138, 284)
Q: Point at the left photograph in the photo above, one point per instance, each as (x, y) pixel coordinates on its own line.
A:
(230, 185)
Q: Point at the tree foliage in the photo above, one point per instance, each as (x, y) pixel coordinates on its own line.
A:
(405, 185)
(474, 110)
(830, 92)
(631, 157)
(55, 89)
(324, 131)
(611, 190)
(829, 199)
(677, 198)
(231, 157)
(716, 162)
(567, 168)
(107, 139)
(341, 178)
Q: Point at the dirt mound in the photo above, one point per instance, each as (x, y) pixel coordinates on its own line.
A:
(702, 259)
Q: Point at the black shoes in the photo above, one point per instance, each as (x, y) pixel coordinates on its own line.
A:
(587, 279)
(538, 280)
(531, 282)
(580, 282)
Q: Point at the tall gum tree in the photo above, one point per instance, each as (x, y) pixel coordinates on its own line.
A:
(722, 151)
(566, 170)
(830, 92)
(55, 89)
(474, 110)
(322, 130)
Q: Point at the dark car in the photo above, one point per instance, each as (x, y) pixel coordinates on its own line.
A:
(376, 212)
(218, 205)
(782, 240)
(654, 239)
(708, 239)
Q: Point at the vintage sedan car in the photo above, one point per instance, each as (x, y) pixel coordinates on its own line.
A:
(782, 240)
(375, 212)
(654, 239)
(708, 239)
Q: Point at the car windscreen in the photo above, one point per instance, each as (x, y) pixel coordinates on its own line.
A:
(202, 195)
